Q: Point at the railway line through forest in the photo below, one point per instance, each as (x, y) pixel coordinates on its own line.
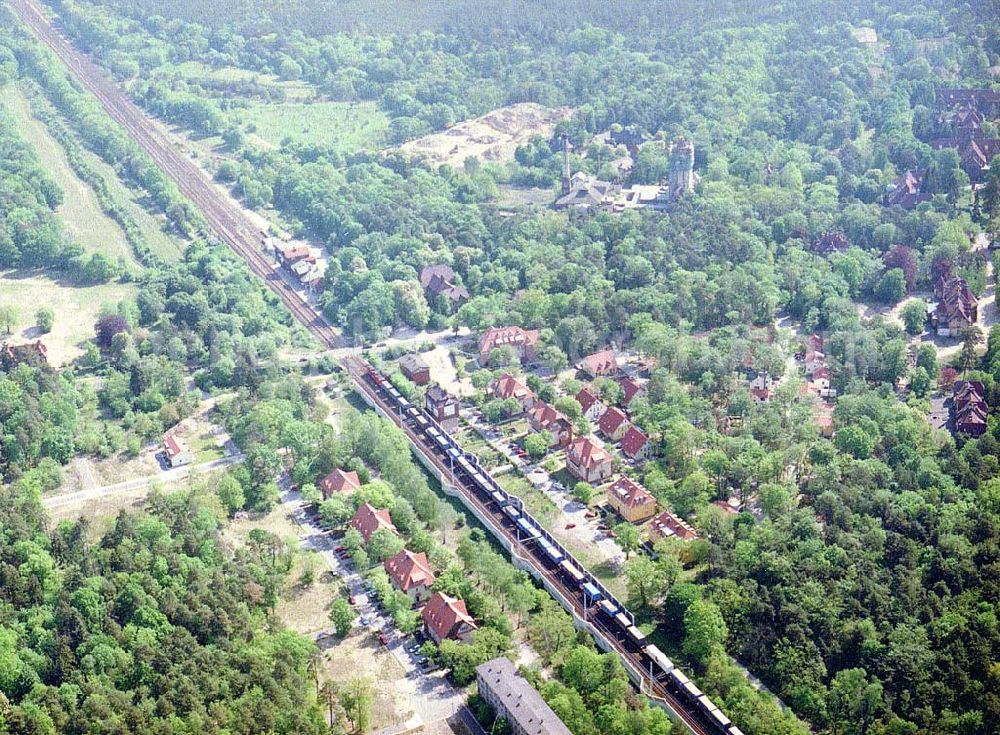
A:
(233, 227)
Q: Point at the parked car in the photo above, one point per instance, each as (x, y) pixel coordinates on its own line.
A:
(352, 600)
(383, 639)
(570, 525)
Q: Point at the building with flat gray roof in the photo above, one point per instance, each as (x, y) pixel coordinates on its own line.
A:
(515, 700)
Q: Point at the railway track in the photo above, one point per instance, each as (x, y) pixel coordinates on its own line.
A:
(649, 686)
(234, 228)
(224, 217)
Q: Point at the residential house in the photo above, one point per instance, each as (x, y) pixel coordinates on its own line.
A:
(339, 481)
(543, 417)
(761, 385)
(368, 519)
(590, 403)
(631, 500)
(975, 154)
(986, 101)
(35, 354)
(613, 424)
(635, 444)
(439, 280)
(907, 191)
(585, 192)
(667, 525)
(507, 386)
(523, 342)
(410, 573)
(630, 389)
(600, 363)
(969, 408)
(957, 309)
(415, 368)
(443, 406)
(821, 378)
(823, 419)
(588, 461)
(814, 361)
(177, 450)
(516, 701)
(292, 253)
(446, 618)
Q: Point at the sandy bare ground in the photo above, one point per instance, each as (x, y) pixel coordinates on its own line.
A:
(492, 138)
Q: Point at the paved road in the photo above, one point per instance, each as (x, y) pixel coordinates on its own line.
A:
(138, 483)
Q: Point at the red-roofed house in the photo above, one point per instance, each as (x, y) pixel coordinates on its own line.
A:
(630, 390)
(410, 573)
(667, 525)
(339, 481)
(542, 417)
(591, 404)
(635, 444)
(613, 424)
(447, 618)
(439, 280)
(588, 461)
(415, 369)
(631, 500)
(522, 340)
(600, 363)
(368, 519)
(177, 450)
(507, 386)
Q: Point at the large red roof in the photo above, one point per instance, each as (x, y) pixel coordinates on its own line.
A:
(445, 615)
(408, 570)
(633, 441)
(368, 519)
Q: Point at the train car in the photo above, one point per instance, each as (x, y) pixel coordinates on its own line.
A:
(716, 715)
(572, 573)
(664, 664)
(422, 421)
(678, 679)
(623, 622)
(608, 608)
(636, 636)
(526, 527)
(733, 730)
(512, 512)
(691, 691)
(498, 498)
(550, 550)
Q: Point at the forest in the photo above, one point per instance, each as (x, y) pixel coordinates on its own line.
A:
(865, 597)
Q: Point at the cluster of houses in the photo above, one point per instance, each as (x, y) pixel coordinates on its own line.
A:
(587, 459)
(443, 616)
(957, 307)
(964, 111)
(304, 263)
(818, 383)
(969, 408)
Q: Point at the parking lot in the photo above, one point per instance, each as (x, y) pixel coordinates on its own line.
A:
(428, 691)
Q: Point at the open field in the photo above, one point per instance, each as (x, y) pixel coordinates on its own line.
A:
(80, 211)
(219, 78)
(76, 309)
(344, 126)
(492, 138)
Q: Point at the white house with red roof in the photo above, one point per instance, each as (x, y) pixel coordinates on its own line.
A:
(447, 618)
(177, 450)
(635, 444)
(543, 417)
(410, 573)
(630, 389)
(507, 386)
(588, 461)
(590, 403)
(613, 424)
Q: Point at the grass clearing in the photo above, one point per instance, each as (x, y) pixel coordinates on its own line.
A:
(344, 126)
(80, 211)
(76, 309)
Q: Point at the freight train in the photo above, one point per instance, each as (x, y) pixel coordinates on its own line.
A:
(600, 607)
